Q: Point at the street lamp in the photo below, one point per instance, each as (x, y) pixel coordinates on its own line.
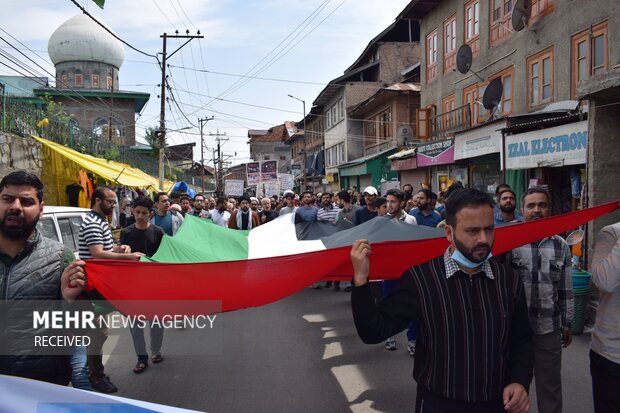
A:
(161, 135)
(303, 102)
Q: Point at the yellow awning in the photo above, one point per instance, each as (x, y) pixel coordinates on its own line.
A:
(116, 172)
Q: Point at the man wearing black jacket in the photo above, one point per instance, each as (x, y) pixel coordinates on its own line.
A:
(474, 347)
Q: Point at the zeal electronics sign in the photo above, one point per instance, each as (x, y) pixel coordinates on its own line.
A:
(559, 146)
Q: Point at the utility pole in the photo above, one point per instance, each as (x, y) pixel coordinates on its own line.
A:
(111, 106)
(305, 154)
(219, 184)
(161, 134)
(202, 151)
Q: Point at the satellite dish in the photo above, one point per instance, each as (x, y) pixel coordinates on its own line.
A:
(521, 14)
(575, 237)
(463, 58)
(493, 94)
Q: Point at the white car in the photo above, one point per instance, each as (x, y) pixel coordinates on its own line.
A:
(62, 224)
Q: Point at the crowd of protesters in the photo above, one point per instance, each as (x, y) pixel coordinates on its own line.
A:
(546, 281)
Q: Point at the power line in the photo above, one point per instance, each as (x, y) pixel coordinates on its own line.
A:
(249, 77)
(110, 31)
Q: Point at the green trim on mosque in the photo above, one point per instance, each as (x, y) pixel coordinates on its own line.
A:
(139, 97)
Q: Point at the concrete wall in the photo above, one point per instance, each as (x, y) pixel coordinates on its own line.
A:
(555, 29)
(17, 152)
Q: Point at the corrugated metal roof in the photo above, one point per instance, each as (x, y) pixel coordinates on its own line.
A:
(405, 153)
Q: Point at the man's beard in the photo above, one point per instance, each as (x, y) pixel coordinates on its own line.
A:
(508, 208)
(20, 232)
(469, 253)
(107, 211)
(424, 207)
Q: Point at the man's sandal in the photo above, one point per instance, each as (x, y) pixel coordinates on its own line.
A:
(157, 358)
(140, 367)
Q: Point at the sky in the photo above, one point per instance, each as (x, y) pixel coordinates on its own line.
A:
(253, 55)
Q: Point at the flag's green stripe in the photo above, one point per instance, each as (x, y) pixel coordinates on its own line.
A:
(199, 240)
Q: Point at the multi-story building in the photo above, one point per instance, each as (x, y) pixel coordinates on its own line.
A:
(540, 68)
(379, 65)
(270, 145)
(308, 164)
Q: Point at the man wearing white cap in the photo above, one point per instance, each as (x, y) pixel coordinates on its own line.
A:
(289, 198)
(369, 211)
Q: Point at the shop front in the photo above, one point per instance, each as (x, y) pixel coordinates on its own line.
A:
(554, 158)
(481, 150)
(405, 163)
(367, 171)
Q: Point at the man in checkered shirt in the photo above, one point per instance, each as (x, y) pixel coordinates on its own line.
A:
(545, 268)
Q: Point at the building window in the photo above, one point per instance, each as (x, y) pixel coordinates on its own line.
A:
(95, 81)
(449, 49)
(470, 97)
(282, 158)
(385, 124)
(64, 80)
(541, 8)
(506, 104)
(334, 114)
(431, 56)
(540, 78)
(589, 57)
(472, 26)
(101, 127)
(501, 13)
(109, 83)
(448, 104)
(78, 80)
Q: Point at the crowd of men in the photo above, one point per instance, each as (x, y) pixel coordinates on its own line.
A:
(486, 324)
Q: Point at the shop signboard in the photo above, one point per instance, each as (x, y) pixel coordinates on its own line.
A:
(558, 146)
(478, 142)
(233, 187)
(436, 153)
(253, 173)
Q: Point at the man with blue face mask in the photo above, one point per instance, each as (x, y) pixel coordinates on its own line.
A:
(474, 348)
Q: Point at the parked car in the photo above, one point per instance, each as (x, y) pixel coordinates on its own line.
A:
(62, 224)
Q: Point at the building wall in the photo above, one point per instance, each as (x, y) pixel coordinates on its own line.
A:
(394, 57)
(87, 69)
(554, 29)
(87, 114)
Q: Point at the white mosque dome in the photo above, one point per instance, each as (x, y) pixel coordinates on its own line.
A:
(81, 39)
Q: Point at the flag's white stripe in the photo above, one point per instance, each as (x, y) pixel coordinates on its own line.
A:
(26, 396)
(278, 238)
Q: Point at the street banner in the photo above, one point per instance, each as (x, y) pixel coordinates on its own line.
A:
(286, 182)
(268, 171)
(253, 173)
(389, 185)
(268, 189)
(233, 187)
(275, 254)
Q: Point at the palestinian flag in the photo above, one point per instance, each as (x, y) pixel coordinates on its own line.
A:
(240, 269)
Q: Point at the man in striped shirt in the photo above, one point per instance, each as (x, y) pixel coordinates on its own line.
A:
(546, 269)
(327, 212)
(95, 241)
(474, 347)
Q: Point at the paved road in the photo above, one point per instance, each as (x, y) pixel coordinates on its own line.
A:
(299, 354)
